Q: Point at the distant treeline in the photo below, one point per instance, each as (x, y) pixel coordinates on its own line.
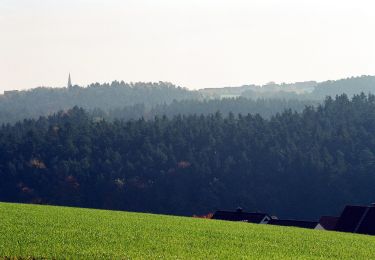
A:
(45, 101)
(309, 90)
(264, 107)
(136, 100)
(350, 86)
(298, 165)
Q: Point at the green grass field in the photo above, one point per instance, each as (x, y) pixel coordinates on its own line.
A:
(61, 232)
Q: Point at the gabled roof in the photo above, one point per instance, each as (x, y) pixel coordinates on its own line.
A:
(328, 222)
(240, 216)
(367, 226)
(351, 218)
(293, 223)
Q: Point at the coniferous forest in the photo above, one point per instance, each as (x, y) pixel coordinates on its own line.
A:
(291, 164)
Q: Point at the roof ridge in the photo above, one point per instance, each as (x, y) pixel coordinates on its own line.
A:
(361, 219)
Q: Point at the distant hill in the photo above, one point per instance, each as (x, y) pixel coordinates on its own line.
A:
(43, 101)
(349, 86)
(310, 90)
(270, 90)
(46, 232)
(135, 100)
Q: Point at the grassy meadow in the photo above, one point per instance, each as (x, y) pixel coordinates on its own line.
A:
(60, 232)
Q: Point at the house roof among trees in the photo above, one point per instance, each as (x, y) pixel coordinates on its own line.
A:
(328, 222)
(293, 223)
(351, 218)
(240, 215)
(367, 226)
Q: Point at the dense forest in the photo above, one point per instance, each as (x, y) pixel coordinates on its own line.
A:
(294, 164)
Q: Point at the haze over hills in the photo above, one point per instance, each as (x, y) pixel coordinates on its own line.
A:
(18, 105)
(258, 90)
(135, 100)
(301, 90)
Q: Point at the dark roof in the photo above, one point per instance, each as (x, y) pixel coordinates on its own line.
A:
(240, 216)
(293, 223)
(351, 218)
(367, 226)
(328, 222)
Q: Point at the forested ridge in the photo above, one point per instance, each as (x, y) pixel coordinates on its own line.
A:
(310, 90)
(300, 165)
(44, 101)
(264, 107)
(135, 100)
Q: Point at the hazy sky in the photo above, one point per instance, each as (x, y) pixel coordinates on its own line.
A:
(192, 43)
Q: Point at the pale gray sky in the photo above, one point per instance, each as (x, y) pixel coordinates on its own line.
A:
(192, 43)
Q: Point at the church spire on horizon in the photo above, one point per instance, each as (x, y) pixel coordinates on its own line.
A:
(69, 82)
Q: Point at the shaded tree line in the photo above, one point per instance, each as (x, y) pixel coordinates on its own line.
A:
(350, 86)
(300, 165)
(308, 90)
(264, 107)
(135, 100)
(45, 101)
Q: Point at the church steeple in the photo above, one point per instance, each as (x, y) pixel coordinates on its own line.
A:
(69, 82)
